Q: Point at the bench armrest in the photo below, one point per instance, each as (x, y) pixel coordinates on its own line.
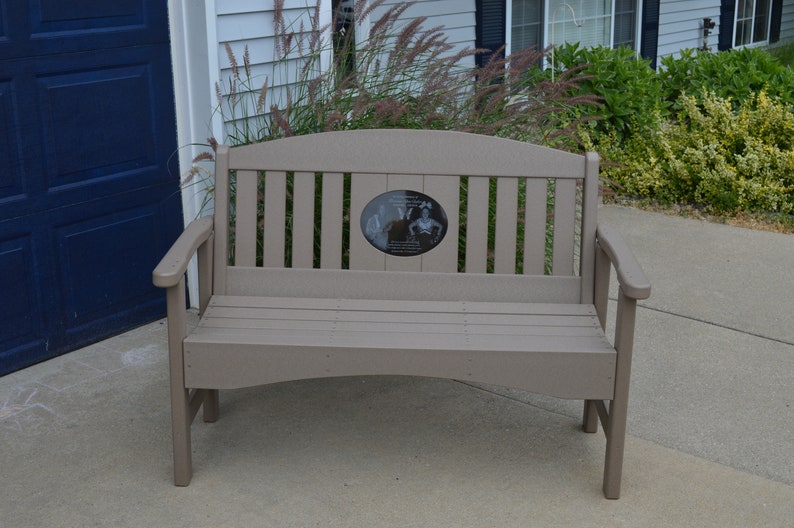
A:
(172, 267)
(631, 278)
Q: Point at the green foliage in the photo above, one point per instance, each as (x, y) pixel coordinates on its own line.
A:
(735, 74)
(627, 86)
(785, 54)
(713, 129)
(728, 159)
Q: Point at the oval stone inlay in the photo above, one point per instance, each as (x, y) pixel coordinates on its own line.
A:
(404, 223)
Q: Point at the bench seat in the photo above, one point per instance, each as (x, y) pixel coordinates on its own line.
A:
(555, 349)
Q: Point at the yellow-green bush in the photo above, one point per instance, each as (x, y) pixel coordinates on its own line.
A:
(713, 153)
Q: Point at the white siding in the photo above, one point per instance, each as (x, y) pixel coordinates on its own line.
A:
(456, 16)
(681, 25)
(242, 23)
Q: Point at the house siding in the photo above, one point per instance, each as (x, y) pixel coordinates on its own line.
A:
(456, 16)
(681, 25)
(240, 25)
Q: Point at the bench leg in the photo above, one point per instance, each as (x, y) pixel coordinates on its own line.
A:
(615, 428)
(181, 416)
(180, 427)
(590, 418)
(211, 406)
(616, 440)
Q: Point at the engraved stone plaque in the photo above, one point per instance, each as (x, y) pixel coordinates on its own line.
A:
(404, 223)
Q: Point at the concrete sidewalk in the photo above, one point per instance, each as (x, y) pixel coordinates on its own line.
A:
(85, 438)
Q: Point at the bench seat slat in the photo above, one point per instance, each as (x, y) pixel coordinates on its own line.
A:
(336, 337)
(219, 301)
(402, 337)
(462, 318)
(232, 325)
(398, 317)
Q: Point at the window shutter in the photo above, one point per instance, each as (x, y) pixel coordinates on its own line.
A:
(727, 13)
(649, 39)
(777, 15)
(490, 34)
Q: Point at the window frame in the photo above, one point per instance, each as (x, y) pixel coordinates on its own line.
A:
(547, 20)
(752, 25)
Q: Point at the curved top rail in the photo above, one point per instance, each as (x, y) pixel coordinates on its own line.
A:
(386, 151)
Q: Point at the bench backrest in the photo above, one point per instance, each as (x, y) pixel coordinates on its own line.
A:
(511, 208)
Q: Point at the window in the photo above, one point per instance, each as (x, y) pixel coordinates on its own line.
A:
(752, 22)
(541, 23)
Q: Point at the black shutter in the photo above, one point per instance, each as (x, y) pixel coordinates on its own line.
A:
(490, 33)
(777, 15)
(727, 13)
(649, 37)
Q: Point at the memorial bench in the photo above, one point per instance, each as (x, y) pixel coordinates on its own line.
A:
(403, 252)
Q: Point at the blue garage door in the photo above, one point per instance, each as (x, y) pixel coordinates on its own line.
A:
(87, 201)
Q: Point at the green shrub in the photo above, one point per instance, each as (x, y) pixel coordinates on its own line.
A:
(735, 74)
(785, 54)
(727, 159)
(627, 86)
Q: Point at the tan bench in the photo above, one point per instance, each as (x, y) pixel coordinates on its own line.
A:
(356, 278)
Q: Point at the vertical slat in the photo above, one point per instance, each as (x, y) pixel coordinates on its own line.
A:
(409, 182)
(332, 211)
(477, 225)
(535, 226)
(303, 220)
(564, 227)
(446, 191)
(245, 223)
(506, 225)
(603, 269)
(589, 225)
(275, 218)
(204, 260)
(363, 188)
(221, 220)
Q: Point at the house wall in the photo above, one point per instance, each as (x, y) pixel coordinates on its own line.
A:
(457, 17)
(242, 23)
(681, 25)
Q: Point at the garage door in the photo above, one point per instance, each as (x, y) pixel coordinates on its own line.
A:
(87, 201)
